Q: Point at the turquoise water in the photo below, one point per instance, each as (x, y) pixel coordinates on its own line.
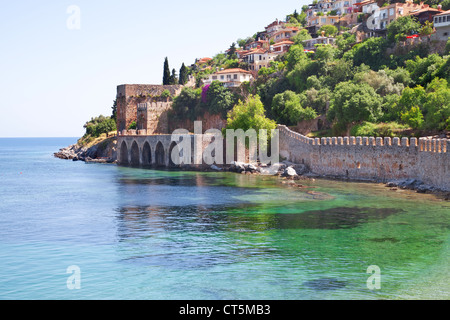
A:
(144, 234)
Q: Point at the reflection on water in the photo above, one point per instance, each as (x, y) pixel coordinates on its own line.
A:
(315, 241)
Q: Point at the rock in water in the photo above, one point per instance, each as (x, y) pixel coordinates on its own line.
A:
(290, 172)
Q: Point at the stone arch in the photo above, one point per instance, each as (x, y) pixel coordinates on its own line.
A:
(173, 145)
(124, 153)
(146, 154)
(160, 155)
(134, 154)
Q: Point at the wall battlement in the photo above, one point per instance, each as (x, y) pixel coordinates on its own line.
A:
(424, 144)
(383, 159)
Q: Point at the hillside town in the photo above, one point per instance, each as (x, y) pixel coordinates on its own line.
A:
(365, 19)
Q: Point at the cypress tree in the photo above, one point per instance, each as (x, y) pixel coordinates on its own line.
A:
(183, 75)
(166, 75)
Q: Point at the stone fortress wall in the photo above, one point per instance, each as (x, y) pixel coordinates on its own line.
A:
(368, 158)
(379, 159)
(129, 97)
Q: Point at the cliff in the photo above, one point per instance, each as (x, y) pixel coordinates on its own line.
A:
(102, 150)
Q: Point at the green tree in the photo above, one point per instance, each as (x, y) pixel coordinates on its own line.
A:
(371, 52)
(173, 77)
(413, 117)
(353, 103)
(183, 75)
(380, 81)
(317, 99)
(329, 29)
(114, 110)
(411, 97)
(295, 55)
(287, 109)
(303, 69)
(249, 114)
(219, 100)
(423, 70)
(398, 29)
(166, 74)
(185, 105)
(445, 5)
(344, 42)
(325, 53)
(447, 46)
(301, 36)
(232, 51)
(400, 75)
(426, 29)
(437, 105)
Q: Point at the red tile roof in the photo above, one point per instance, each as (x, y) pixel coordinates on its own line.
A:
(233, 70)
(204, 60)
(445, 12)
(286, 42)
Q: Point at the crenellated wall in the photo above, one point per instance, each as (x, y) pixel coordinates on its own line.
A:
(380, 159)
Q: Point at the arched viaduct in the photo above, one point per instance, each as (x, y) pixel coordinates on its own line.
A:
(152, 150)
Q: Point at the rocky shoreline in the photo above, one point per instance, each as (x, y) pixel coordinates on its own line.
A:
(106, 152)
(102, 152)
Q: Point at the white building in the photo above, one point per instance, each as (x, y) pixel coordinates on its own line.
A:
(442, 25)
(230, 78)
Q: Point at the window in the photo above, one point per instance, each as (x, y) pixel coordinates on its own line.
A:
(228, 76)
(391, 11)
(235, 76)
(260, 57)
(222, 77)
(214, 77)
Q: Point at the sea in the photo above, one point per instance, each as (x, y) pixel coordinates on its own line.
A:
(84, 231)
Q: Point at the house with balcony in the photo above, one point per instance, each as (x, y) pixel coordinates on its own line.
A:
(273, 28)
(284, 34)
(231, 78)
(385, 15)
(319, 21)
(281, 47)
(343, 6)
(259, 58)
(442, 25)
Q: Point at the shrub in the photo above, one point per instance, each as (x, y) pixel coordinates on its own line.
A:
(413, 117)
(368, 129)
(166, 94)
(132, 126)
(99, 125)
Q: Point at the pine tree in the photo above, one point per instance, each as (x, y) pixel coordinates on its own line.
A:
(166, 75)
(232, 51)
(183, 75)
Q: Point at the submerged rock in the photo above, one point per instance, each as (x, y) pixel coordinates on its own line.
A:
(325, 284)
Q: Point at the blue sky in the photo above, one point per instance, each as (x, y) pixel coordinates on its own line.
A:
(53, 79)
